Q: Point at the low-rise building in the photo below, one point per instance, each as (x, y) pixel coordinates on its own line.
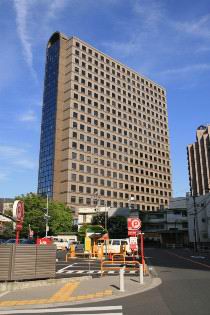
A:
(198, 210)
(167, 227)
(6, 204)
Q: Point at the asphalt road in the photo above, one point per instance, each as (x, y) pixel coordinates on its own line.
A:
(185, 289)
(78, 267)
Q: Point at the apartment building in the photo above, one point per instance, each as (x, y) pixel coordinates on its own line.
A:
(104, 132)
(198, 155)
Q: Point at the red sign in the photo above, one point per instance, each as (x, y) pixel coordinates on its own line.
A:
(134, 223)
(132, 233)
(18, 210)
(44, 241)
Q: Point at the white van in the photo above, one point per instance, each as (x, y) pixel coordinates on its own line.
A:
(113, 246)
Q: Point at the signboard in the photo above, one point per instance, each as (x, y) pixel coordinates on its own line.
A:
(134, 223)
(44, 241)
(132, 232)
(133, 243)
(18, 213)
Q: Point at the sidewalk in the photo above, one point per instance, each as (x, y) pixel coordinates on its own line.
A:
(74, 290)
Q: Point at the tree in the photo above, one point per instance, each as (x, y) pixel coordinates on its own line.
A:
(98, 218)
(116, 226)
(60, 216)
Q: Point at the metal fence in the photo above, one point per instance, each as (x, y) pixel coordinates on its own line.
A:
(22, 262)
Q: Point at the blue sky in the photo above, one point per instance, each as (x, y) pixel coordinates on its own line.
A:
(167, 41)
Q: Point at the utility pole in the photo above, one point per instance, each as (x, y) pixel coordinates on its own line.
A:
(196, 228)
(46, 216)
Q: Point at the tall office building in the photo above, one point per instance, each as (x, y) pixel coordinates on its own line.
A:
(199, 162)
(104, 130)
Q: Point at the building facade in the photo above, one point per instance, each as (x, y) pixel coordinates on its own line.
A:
(168, 227)
(104, 131)
(6, 204)
(199, 162)
(198, 210)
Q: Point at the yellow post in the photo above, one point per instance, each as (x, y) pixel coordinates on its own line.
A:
(72, 250)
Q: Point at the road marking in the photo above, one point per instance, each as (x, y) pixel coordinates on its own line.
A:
(4, 293)
(195, 262)
(61, 270)
(68, 309)
(77, 271)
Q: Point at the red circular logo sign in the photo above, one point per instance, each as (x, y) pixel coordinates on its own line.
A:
(135, 224)
(18, 210)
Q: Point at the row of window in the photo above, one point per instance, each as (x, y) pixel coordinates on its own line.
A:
(131, 107)
(108, 165)
(112, 164)
(117, 194)
(102, 162)
(147, 144)
(119, 185)
(109, 203)
(133, 124)
(117, 87)
(137, 154)
(122, 132)
(130, 74)
(128, 98)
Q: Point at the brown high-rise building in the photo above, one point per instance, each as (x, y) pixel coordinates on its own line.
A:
(199, 162)
(104, 130)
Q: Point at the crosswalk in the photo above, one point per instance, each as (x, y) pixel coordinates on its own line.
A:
(92, 272)
(98, 310)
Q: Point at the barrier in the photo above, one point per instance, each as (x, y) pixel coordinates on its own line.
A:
(112, 265)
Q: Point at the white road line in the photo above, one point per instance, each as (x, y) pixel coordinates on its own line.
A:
(70, 271)
(81, 271)
(111, 271)
(4, 293)
(61, 270)
(132, 271)
(68, 309)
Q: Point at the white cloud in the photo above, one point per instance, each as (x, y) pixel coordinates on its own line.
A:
(186, 70)
(200, 27)
(9, 152)
(28, 116)
(22, 8)
(26, 20)
(25, 163)
(55, 6)
(13, 156)
(152, 12)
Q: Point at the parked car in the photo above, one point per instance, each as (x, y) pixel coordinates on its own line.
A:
(114, 245)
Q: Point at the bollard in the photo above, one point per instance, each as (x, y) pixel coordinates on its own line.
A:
(122, 280)
(141, 276)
